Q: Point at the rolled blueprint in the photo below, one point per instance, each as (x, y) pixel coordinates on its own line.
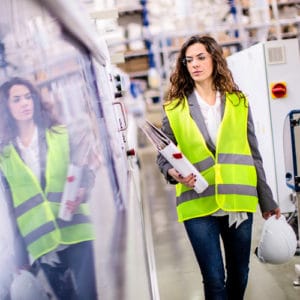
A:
(71, 187)
(172, 154)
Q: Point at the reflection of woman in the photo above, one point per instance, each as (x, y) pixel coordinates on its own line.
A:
(209, 119)
(35, 154)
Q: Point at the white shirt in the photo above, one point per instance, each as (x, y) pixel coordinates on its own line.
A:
(212, 119)
(211, 114)
(31, 155)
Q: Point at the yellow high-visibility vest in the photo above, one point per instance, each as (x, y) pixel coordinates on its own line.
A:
(231, 173)
(36, 210)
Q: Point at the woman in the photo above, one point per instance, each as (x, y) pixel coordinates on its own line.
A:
(35, 154)
(209, 119)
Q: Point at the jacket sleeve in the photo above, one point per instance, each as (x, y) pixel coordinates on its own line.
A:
(162, 163)
(265, 195)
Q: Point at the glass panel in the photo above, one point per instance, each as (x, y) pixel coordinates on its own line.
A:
(53, 154)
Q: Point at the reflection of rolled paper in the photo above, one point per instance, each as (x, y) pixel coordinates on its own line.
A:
(71, 187)
(172, 154)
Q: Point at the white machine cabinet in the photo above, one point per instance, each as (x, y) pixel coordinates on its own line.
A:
(269, 74)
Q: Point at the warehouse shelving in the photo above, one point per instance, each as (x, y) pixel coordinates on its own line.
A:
(280, 25)
(232, 36)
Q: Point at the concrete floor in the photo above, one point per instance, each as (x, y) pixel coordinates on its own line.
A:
(178, 276)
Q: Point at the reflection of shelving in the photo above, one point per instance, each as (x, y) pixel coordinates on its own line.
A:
(58, 70)
(45, 66)
(72, 70)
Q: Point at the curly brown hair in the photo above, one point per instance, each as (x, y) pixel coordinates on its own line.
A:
(181, 83)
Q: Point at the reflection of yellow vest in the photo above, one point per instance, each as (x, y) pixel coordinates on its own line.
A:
(230, 173)
(37, 210)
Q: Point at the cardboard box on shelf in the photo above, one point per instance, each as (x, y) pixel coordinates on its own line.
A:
(135, 64)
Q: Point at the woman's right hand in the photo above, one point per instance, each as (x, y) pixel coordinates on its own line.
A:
(268, 214)
(189, 180)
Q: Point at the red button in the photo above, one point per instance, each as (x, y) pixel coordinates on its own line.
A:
(279, 90)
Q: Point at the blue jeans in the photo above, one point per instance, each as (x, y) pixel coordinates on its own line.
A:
(204, 234)
(74, 277)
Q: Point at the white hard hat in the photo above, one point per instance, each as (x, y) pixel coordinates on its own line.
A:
(26, 286)
(278, 241)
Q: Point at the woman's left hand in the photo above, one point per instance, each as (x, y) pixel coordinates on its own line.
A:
(268, 214)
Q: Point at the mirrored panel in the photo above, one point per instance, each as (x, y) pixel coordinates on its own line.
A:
(53, 154)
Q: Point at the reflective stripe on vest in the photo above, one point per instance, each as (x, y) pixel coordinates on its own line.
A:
(231, 173)
(36, 210)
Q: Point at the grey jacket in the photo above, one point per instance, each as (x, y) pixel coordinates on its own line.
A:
(265, 196)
